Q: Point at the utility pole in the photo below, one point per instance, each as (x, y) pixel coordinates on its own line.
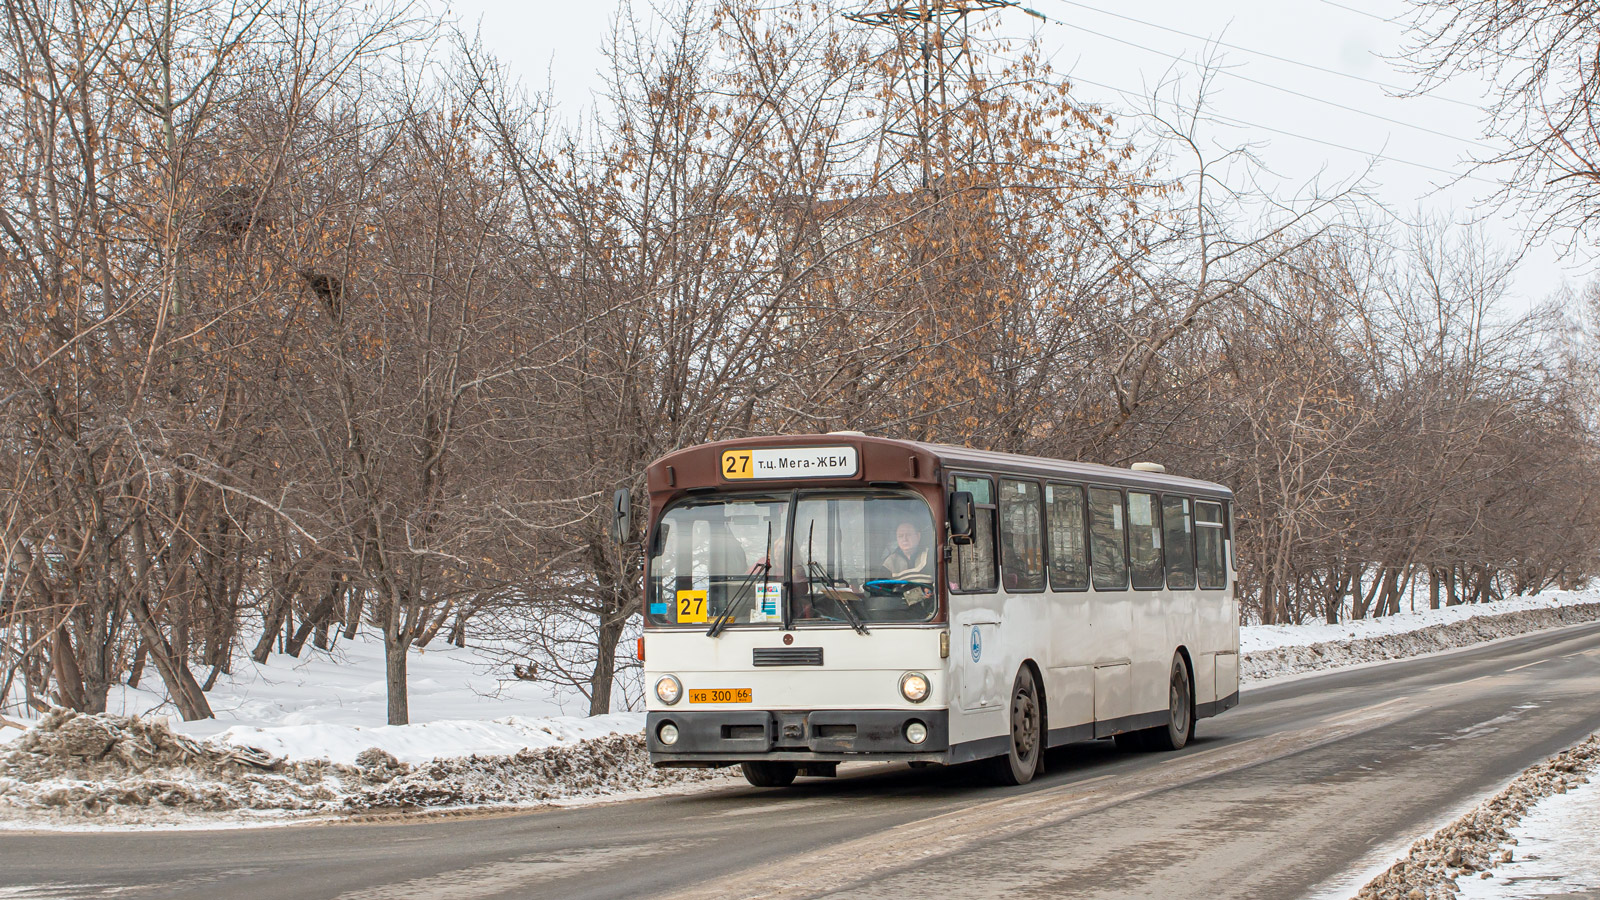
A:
(933, 42)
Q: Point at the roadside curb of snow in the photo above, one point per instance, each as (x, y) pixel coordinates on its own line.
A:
(77, 771)
(1279, 664)
(1472, 845)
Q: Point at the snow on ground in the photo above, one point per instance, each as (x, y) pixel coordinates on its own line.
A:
(1555, 800)
(332, 705)
(74, 771)
(1557, 851)
(1277, 651)
(1269, 637)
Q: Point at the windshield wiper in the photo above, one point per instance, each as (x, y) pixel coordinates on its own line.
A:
(762, 568)
(815, 572)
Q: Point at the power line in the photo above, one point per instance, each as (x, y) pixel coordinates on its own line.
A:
(1283, 59)
(1359, 12)
(1265, 84)
(1242, 123)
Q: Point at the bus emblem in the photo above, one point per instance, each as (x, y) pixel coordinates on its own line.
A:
(977, 644)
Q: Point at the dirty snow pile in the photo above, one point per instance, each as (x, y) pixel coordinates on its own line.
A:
(1273, 651)
(78, 769)
(1555, 851)
(1478, 843)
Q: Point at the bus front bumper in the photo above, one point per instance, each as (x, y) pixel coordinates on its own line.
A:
(728, 736)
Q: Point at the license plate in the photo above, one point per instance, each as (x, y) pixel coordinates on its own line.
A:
(721, 695)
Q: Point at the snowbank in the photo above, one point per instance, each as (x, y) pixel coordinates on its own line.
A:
(75, 770)
(1481, 841)
(1269, 637)
(1281, 650)
(1555, 851)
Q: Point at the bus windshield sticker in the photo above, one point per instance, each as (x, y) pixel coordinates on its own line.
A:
(789, 462)
(769, 599)
(691, 607)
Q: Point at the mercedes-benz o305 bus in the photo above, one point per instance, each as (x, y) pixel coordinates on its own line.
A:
(812, 600)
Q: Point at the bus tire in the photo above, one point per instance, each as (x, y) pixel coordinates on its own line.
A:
(770, 774)
(1021, 760)
(1180, 710)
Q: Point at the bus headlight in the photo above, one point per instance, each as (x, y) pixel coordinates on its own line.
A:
(914, 686)
(668, 690)
(668, 733)
(916, 732)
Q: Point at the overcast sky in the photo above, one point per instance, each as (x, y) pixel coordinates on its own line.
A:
(1424, 142)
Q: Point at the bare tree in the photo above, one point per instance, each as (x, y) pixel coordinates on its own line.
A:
(1543, 61)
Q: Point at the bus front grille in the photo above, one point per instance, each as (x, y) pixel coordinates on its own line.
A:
(787, 656)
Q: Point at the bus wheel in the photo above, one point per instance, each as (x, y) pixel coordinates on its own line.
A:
(770, 774)
(1021, 760)
(1180, 710)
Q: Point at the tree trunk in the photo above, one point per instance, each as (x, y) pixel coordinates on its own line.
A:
(1335, 601)
(136, 671)
(432, 630)
(1390, 604)
(186, 693)
(605, 665)
(69, 681)
(1269, 589)
(352, 617)
(316, 618)
(272, 626)
(395, 647)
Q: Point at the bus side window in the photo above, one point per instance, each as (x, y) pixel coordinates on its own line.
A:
(1069, 563)
(1021, 536)
(1107, 538)
(972, 565)
(1178, 526)
(1144, 541)
(1210, 560)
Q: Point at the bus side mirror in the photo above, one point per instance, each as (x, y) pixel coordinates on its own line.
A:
(961, 517)
(622, 516)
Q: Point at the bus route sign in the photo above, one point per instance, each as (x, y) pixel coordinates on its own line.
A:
(789, 462)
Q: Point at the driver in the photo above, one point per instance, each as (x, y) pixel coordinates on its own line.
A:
(910, 560)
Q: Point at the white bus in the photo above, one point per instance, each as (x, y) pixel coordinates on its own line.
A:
(811, 600)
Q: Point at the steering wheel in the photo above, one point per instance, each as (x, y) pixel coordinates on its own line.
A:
(888, 587)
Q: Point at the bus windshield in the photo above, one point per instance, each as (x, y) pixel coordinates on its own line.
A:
(857, 556)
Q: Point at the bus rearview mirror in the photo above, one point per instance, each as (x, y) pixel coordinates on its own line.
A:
(621, 516)
(961, 517)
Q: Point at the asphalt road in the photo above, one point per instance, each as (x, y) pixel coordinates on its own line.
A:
(1295, 793)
